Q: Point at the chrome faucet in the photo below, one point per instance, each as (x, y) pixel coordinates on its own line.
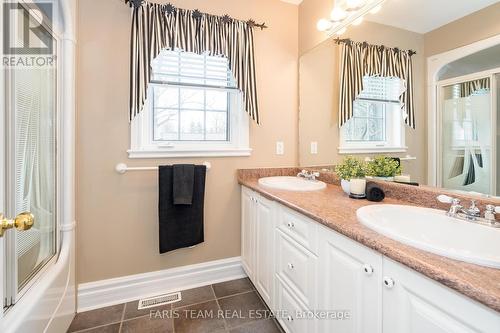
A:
(471, 214)
(308, 175)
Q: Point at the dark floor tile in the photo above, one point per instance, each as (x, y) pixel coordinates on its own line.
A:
(243, 308)
(232, 287)
(113, 328)
(148, 324)
(98, 317)
(196, 295)
(260, 326)
(132, 312)
(199, 318)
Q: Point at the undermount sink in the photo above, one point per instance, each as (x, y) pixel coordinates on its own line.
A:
(432, 230)
(292, 184)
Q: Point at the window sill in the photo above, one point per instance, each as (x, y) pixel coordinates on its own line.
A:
(353, 150)
(222, 152)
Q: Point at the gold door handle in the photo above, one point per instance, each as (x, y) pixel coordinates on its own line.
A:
(22, 222)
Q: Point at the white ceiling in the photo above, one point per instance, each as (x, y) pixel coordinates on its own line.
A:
(423, 16)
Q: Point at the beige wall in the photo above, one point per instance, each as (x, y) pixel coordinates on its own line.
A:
(480, 25)
(117, 214)
(319, 89)
(310, 12)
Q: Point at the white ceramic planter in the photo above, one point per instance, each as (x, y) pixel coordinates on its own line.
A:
(346, 186)
(358, 186)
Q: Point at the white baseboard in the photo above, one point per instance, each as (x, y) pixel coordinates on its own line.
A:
(103, 293)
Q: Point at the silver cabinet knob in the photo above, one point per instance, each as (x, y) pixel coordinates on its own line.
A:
(368, 269)
(388, 282)
(291, 266)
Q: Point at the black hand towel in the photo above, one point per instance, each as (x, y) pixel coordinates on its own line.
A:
(183, 185)
(180, 225)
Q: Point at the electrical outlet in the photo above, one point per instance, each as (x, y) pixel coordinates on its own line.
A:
(280, 148)
(314, 147)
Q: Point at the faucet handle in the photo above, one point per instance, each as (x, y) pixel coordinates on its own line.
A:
(446, 199)
(490, 213)
(493, 209)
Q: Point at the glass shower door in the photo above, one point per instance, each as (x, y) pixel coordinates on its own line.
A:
(29, 167)
(466, 138)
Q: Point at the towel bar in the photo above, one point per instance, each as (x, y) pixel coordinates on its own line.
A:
(122, 168)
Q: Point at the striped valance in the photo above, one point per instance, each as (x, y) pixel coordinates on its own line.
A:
(162, 26)
(470, 87)
(362, 59)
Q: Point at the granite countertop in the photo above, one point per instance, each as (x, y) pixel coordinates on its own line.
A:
(334, 209)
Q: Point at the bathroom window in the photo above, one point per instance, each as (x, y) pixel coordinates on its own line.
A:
(377, 124)
(194, 109)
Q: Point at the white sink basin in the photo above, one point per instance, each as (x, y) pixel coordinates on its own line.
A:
(292, 184)
(431, 230)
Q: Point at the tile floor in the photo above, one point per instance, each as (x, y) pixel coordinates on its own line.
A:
(232, 306)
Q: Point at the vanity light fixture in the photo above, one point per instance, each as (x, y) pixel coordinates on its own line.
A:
(338, 14)
(346, 13)
(353, 5)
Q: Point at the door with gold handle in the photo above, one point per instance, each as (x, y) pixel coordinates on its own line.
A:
(21, 222)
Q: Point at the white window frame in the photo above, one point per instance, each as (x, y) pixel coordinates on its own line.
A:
(142, 144)
(395, 136)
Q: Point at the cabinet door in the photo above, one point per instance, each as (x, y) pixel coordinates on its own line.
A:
(248, 231)
(264, 248)
(350, 280)
(414, 303)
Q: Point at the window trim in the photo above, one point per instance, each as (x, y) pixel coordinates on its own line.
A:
(395, 135)
(392, 132)
(143, 145)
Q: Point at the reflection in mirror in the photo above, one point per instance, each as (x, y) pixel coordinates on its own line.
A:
(453, 139)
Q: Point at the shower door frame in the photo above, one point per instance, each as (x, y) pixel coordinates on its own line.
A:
(13, 290)
(435, 64)
(50, 303)
(493, 122)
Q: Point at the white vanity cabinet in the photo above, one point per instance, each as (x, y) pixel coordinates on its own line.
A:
(257, 243)
(349, 280)
(414, 303)
(301, 268)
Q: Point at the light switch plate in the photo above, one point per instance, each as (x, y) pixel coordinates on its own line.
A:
(280, 148)
(314, 147)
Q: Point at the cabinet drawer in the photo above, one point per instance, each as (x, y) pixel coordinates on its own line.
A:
(297, 268)
(291, 314)
(300, 228)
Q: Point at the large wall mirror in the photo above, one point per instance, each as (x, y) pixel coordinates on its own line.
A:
(453, 141)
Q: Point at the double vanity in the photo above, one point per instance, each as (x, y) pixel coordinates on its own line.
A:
(326, 263)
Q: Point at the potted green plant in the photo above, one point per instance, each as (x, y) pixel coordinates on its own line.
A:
(382, 167)
(350, 168)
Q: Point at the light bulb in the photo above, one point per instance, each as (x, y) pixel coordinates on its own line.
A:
(338, 14)
(376, 9)
(324, 25)
(354, 4)
(341, 31)
(358, 21)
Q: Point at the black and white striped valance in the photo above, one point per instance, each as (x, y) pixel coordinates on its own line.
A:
(470, 87)
(162, 26)
(362, 59)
